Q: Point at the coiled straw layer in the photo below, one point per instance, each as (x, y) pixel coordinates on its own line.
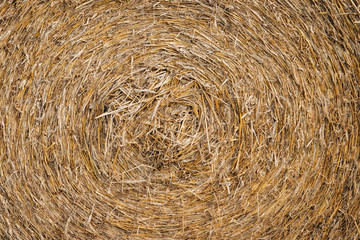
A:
(179, 119)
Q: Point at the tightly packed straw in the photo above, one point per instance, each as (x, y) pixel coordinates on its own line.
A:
(179, 119)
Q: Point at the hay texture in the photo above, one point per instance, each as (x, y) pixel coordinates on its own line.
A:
(179, 119)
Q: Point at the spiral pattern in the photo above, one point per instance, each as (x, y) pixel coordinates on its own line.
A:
(179, 119)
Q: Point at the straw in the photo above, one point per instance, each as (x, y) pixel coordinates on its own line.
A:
(179, 119)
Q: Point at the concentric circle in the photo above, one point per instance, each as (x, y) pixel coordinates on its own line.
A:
(179, 120)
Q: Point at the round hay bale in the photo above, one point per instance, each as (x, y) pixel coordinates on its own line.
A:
(179, 119)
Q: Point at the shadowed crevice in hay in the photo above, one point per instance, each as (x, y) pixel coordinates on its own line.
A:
(179, 120)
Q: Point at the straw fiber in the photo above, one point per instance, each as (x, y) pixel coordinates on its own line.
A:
(180, 119)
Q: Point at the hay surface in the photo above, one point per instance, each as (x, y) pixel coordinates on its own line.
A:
(179, 119)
